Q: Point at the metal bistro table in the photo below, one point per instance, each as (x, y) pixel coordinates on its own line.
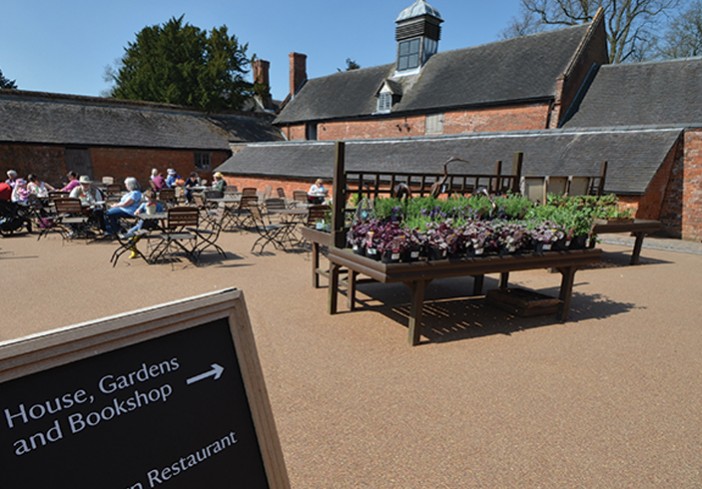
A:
(417, 275)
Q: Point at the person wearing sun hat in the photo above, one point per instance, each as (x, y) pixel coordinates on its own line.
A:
(171, 178)
(86, 192)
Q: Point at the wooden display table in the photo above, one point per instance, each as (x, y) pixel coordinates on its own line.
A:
(316, 238)
(638, 227)
(418, 275)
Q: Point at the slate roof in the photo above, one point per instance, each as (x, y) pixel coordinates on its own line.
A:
(31, 117)
(634, 156)
(659, 93)
(520, 69)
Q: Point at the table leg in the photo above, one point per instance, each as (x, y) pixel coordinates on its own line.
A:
(351, 291)
(415, 319)
(637, 249)
(333, 287)
(504, 280)
(566, 293)
(478, 281)
(315, 265)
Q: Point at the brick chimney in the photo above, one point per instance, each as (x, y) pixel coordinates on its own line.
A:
(298, 72)
(261, 76)
(261, 70)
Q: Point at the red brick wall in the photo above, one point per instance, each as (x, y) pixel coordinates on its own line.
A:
(524, 117)
(45, 161)
(692, 187)
(261, 183)
(671, 210)
(652, 204)
(502, 119)
(123, 162)
(49, 162)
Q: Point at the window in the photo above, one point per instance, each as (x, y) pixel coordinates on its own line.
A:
(311, 131)
(408, 55)
(202, 160)
(384, 102)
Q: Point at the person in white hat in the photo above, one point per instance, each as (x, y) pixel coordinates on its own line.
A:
(88, 194)
(171, 178)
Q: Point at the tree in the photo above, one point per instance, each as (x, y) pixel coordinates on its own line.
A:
(631, 24)
(181, 64)
(684, 37)
(5, 83)
(350, 65)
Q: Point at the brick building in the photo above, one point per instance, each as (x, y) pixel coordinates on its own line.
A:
(50, 134)
(552, 96)
(523, 83)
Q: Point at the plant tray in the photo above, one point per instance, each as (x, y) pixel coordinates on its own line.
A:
(523, 302)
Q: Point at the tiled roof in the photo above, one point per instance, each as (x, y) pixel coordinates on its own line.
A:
(634, 156)
(29, 117)
(661, 93)
(520, 69)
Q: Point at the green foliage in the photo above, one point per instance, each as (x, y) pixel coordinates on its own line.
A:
(178, 63)
(6, 83)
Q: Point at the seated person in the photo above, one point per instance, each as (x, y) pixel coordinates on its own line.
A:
(192, 181)
(11, 178)
(218, 182)
(87, 193)
(151, 200)
(72, 182)
(38, 187)
(126, 207)
(158, 183)
(5, 191)
(317, 193)
(20, 193)
(172, 178)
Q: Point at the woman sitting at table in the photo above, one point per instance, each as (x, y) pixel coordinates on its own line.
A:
(39, 188)
(219, 183)
(20, 193)
(317, 193)
(126, 207)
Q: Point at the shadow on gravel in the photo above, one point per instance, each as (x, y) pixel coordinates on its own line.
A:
(451, 314)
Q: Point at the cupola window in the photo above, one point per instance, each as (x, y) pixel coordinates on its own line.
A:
(408, 56)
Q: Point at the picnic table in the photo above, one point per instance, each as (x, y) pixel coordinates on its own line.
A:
(418, 275)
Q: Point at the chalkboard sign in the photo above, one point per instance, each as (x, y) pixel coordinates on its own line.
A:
(168, 397)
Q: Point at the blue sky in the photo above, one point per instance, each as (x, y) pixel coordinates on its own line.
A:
(64, 47)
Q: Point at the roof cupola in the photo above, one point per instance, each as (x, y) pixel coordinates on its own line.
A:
(418, 29)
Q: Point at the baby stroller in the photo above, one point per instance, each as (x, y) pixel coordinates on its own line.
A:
(13, 217)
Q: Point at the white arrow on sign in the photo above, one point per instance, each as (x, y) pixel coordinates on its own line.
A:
(216, 372)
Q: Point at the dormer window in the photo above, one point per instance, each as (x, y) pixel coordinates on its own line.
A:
(384, 102)
(408, 55)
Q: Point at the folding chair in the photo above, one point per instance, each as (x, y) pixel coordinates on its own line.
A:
(247, 191)
(167, 196)
(281, 193)
(129, 244)
(176, 235)
(299, 197)
(209, 234)
(273, 205)
(239, 216)
(276, 234)
(70, 220)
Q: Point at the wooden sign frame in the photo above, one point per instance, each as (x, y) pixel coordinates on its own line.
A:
(38, 353)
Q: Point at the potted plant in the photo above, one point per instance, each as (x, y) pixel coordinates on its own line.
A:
(544, 235)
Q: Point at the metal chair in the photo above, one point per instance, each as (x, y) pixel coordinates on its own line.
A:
(277, 234)
(177, 235)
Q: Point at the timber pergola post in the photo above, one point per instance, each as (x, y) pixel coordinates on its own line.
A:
(339, 196)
